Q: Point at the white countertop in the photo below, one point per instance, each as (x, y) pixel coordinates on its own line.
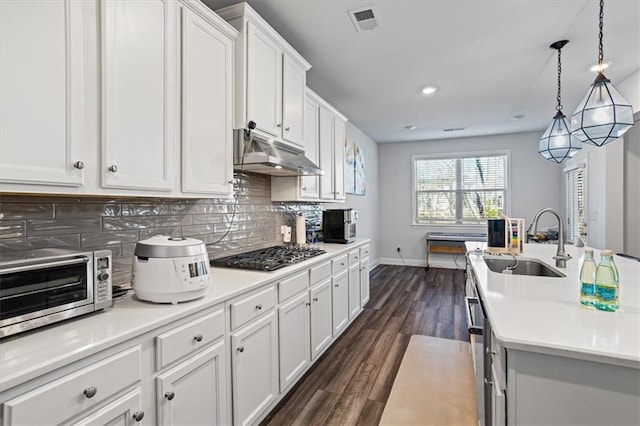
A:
(543, 314)
(29, 355)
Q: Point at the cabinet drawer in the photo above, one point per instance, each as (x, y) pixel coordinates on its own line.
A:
(252, 306)
(354, 257)
(62, 399)
(339, 264)
(293, 285)
(320, 272)
(196, 334)
(364, 251)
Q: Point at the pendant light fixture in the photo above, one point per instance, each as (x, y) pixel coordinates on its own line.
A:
(557, 143)
(604, 114)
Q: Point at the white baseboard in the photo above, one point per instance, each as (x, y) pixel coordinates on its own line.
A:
(374, 264)
(434, 263)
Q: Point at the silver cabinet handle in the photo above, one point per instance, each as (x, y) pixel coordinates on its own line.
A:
(341, 264)
(91, 391)
(138, 416)
(286, 129)
(304, 188)
(78, 165)
(307, 304)
(258, 307)
(240, 349)
(337, 285)
(230, 181)
(198, 337)
(113, 168)
(315, 299)
(279, 125)
(473, 329)
(170, 395)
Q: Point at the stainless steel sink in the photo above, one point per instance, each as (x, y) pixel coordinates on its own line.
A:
(526, 266)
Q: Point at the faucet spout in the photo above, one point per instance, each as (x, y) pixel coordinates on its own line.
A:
(561, 256)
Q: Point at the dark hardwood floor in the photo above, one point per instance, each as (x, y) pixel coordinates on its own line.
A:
(351, 382)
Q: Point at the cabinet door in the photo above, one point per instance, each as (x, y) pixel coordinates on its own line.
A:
(309, 185)
(338, 162)
(124, 411)
(264, 81)
(41, 81)
(254, 369)
(139, 94)
(207, 66)
(364, 281)
(354, 291)
(340, 298)
(194, 392)
(293, 103)
(326, 154)
(321, 320)
(295, 340)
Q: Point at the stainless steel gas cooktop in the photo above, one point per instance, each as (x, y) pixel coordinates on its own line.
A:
(268, 259)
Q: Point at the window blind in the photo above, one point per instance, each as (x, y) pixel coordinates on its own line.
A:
(459, 189)
(575, 204)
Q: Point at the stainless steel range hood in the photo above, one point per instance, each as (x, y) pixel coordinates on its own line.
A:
(254, 152)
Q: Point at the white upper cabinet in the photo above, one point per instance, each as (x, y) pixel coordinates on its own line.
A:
(310, 185)
(42, 85)
(139, 94)
(264, 81)
(270, 77)
(293, 100)
(339, 136)
(207, 101)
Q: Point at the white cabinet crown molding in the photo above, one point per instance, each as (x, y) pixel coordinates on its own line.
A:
(244, 10)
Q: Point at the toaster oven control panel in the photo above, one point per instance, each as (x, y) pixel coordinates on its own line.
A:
(102, 276)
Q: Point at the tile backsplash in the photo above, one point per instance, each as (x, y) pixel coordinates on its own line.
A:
(32, 222)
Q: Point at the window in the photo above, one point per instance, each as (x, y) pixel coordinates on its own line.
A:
(463, 189)
(575, 203)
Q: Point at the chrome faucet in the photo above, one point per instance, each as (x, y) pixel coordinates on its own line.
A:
(561, 256)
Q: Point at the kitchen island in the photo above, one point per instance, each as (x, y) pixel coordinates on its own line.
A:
(552, 360)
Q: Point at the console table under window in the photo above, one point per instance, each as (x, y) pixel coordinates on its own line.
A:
(450, 242)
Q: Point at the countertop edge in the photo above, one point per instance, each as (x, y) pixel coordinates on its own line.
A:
(182, 310)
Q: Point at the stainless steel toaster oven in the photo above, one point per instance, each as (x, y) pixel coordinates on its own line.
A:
(50, 285)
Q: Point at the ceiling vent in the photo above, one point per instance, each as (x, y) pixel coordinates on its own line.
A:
(364, 19)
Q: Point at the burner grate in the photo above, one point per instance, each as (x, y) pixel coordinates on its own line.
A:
(268, 259)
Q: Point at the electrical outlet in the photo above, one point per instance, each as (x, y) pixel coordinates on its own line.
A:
(398, 249)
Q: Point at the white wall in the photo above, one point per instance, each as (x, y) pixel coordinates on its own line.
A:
(632, 189)
(367, 205)
(535, 184)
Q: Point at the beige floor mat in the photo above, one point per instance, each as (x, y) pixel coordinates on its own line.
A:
(434, 385)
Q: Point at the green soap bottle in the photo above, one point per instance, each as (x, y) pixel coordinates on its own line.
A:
(588, 279)
(607, 283)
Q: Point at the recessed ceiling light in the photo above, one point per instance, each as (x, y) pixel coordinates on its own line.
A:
(429, 90)
(518, 117)
(410, 127)
(597, 68)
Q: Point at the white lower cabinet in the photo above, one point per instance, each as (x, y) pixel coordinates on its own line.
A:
(125, 411)
(364, 282)
(254, 366)
(295, 338)
(340, 298)
(81, 391)
(321, 320)
(354, 290)
(194, 392)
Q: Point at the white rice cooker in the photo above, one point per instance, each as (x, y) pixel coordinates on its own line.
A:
(170, 269)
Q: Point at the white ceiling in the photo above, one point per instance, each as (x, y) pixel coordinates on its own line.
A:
(490, 60)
